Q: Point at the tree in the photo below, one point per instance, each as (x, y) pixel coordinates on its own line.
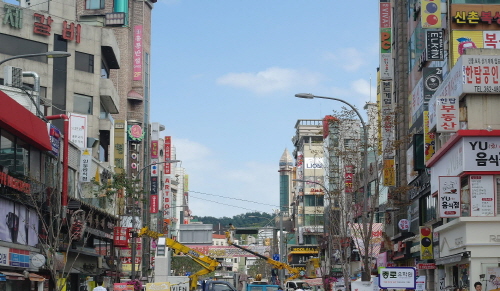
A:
(353, 191)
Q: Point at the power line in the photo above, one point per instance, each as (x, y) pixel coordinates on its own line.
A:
(226, 197)
(223, 203)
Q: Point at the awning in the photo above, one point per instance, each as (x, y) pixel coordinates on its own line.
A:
(132, 94)
(36, 277)
(22, 123)
(13, 276)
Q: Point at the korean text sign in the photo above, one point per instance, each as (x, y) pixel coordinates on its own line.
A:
(482, 195)
(449, 196)
(397, 277)
(447, 111)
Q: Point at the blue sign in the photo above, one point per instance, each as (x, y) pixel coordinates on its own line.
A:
(187, 274)
(276, 257)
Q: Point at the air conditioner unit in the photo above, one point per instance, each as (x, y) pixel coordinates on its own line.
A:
(13, 77)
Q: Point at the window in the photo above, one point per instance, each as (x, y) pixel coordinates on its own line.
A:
(104, 70)
(14, 153)
(94, 4)
(19, 46)
(314, 219)
(84, 62)
(314, 200)
(82, 104)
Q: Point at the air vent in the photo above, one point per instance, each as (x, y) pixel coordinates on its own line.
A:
(13, 76)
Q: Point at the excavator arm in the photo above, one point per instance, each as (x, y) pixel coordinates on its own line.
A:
(278, 265)
(209, 265)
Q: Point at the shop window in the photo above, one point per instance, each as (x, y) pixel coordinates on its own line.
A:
(314, 200)
(14, 154)
(82, 104)
(94, 4)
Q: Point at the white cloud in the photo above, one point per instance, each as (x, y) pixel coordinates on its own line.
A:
(270, 80)
(350, 59)
(364, 87)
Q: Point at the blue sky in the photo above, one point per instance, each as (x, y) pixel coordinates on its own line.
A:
(224, 75)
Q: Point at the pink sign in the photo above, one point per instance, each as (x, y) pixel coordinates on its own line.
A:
(138, 53)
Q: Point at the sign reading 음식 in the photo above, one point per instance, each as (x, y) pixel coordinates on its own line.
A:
(397, 278)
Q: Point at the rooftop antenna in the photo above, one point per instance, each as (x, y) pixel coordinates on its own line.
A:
(370, 88)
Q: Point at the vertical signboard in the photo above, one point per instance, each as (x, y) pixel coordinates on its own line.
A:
(429, 139)
(447, 114)
(430, 14)
(387, 116)
(167, 154)
(78, 130)
(434, 45)
(449, 196)
(389, 173)
(120, 137)
(482, 195)
(426, 243)
(85, 161)
(138, 53)
(385, 16)
(433, 77)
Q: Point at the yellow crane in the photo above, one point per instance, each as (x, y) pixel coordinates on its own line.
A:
(209, 264)
(294, 272)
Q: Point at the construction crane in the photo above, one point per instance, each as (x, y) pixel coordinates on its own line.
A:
(295, 273)
(209, 264)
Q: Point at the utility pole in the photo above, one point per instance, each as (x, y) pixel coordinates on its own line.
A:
(281, 273)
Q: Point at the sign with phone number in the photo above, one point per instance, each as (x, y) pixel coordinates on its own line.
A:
(397, 277)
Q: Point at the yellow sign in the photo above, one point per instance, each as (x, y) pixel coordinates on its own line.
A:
(429, 139)
(389, 173)
(464, 39)
(426, 243)
(431, 14)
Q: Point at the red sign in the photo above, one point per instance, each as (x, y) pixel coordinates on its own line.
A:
(154, 149)
(138, 53)
(70, 31)
(121, 236)
(167, 153)
(426, 266)
(153, 203)
(14, 183)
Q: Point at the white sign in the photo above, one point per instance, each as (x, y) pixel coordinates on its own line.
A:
(449, 196)
(78, 130)
(386, 67)
(361, 286)
(417, 101)
(447, 114)
(482, 195)
(4, 256)
(404, 224)
(420, 283)
(475, 153)
(314, 163)
(85, 160)
(397, 278)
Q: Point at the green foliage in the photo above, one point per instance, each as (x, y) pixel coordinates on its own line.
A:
(249, 219)
(183, 264)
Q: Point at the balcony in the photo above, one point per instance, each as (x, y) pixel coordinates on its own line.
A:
(109, 96)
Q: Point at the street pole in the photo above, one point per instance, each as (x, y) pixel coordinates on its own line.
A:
(134, 229)
(366, 232)
(281, 273)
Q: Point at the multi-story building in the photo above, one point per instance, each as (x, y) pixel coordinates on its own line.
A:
(444, 77)
(75, 100)
(308, 210)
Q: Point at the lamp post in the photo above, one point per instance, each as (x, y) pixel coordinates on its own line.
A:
(365, 165)
(133, 232)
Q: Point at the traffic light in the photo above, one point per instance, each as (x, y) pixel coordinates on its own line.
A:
(426, 243)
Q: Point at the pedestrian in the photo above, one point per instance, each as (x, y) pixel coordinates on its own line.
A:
(478, 286)
(99, 287)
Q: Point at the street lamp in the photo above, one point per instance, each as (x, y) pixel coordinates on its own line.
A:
(36, 83)
(51, 54)
(134, 233)
(365, 160)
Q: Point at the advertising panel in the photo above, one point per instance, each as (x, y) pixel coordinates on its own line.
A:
(482, 195)
(447, 114)
(389, 173)
(121, 236)
(430, 14)
(85, 162)
(397, 278)
(138, 53)
(474, 17)
(386, 66)
(429, 139)
(387, 117)
(168, 155)
(433, 77)
(462, 40)
(78, 129)
(449, 196)
(434, 44)
(416, 101)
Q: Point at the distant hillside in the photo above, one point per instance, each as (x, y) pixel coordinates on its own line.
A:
(250, 219)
